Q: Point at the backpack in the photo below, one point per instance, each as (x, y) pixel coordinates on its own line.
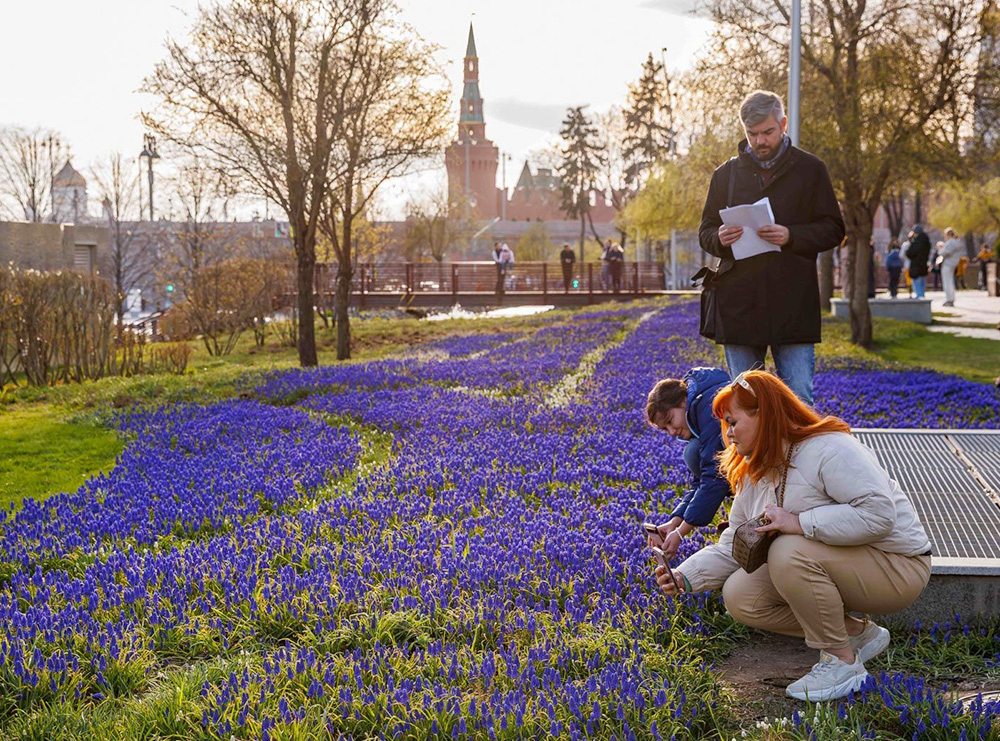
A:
(893, 260)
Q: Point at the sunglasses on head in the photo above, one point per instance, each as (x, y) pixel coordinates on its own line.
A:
(745, 384)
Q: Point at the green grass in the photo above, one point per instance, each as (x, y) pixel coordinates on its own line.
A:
(913, 345)
(44, 454)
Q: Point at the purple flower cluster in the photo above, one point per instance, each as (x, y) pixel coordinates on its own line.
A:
(486, 579)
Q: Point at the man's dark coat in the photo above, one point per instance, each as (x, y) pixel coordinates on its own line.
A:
(773, 299)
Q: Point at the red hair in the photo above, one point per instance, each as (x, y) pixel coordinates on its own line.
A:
(782, 416)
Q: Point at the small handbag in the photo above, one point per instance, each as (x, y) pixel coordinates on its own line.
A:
(750, 547)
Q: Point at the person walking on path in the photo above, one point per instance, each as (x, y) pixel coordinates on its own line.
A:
(683, 409)
(566, 259)
(983, 258)
(846, 538)
(952, 251)
(919, 252)
(616, 263)
(894, 266)
(770, 299)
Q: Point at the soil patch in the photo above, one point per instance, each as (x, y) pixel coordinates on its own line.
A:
(758, 671)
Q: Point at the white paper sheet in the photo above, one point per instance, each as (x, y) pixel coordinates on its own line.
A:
(751, 216)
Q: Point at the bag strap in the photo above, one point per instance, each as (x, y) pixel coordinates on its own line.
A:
(784, 476)
(732, 182)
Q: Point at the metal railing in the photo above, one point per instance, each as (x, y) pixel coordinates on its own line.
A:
(483, 277)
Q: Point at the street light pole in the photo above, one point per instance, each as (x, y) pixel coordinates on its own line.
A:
(150, 153)
(795, 72)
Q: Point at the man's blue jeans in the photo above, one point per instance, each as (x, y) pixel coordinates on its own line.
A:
(919, 286)
(795, 363)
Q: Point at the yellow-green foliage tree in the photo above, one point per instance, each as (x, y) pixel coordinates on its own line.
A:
(535, 245)
(969, 206)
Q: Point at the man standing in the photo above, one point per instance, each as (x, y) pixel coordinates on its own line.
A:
(771, 299)
(919, 253)
(567, 258)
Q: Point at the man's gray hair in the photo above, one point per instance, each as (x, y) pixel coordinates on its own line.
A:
(759, 105)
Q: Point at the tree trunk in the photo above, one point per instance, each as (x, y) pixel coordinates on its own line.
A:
(306, 255)
(583, 233)
(861, 317)
(825, 280)
(345, 271)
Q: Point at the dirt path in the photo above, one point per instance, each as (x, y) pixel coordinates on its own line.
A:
(758, 672)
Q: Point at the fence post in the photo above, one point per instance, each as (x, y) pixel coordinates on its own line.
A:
(454, 283)
(362, 266)
(545, 280)
(590, 282)
(635, 277)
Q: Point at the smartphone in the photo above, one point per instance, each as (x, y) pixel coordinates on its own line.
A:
(650, 528)
(661, 559)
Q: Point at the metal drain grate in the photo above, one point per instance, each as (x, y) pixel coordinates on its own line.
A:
(951, 499)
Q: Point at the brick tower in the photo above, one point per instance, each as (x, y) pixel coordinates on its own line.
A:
(472, 159)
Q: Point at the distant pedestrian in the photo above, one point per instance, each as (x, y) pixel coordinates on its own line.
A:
(937, 257)
(606, 266)
(903, 248)
(894, 266)
(616, 264)
(499, 266)
(506, 263)
(960, 270)
(983, 258)
(951, 253)
(919, 253)
(566, 259)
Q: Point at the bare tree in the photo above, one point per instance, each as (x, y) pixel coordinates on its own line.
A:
(394, 114)
(263, 89)
(28, 160)
(615, 179)
(118, 186)
(582, 162)
(434, 225)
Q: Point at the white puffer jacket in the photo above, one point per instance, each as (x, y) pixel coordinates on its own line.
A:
(842, 496)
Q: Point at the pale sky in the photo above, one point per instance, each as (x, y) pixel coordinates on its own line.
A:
(75, 67)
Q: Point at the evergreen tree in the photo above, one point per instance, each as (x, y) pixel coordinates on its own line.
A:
(582, 160)
(649, 128)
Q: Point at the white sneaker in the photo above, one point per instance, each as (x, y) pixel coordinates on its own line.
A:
(870, 642)
(830, 679)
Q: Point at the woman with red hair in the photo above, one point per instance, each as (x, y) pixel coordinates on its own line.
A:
(848, 538)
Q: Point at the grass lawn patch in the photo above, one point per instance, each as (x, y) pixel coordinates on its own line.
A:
(44, 454)
(913, 345)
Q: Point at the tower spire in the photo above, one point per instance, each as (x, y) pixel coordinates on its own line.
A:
(470, 48)
(470, 122)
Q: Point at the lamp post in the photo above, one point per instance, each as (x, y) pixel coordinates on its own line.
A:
(794, 71)
(503, 169)
(150, 153)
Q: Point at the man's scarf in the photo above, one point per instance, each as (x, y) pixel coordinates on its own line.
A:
(768, 164)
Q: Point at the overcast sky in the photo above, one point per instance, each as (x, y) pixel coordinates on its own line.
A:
(75, 67)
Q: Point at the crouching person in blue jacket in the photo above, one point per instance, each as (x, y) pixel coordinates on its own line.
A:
(683, 408)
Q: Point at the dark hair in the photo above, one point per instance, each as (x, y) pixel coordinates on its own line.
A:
(667, 394)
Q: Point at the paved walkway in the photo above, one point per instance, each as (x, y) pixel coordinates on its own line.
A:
(971, 307)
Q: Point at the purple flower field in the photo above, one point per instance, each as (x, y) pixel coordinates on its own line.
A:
(415, 548)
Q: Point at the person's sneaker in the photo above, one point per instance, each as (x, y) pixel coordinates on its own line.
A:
(870, 642)
(830, 679)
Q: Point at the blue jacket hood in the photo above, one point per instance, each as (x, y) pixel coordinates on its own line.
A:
(702, 383)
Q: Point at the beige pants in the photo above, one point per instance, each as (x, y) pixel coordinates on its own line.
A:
(806, 587)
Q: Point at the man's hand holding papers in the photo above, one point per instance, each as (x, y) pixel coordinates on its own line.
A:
(750, 229)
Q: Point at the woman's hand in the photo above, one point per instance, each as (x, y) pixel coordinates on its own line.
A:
(666, 584)
(782, 521)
